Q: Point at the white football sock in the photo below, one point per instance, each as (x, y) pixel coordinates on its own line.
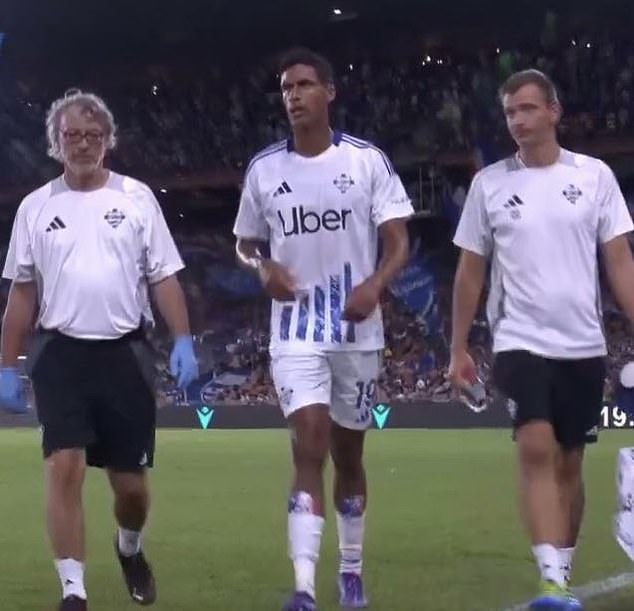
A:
(129, 542)
(547, 557)
(71, 574)
(304, 539)
(566, 554)
(351, 528)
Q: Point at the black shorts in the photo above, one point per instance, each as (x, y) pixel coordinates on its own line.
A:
(566, 393)
(96, 395)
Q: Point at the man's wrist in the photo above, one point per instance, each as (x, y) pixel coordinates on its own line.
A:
(457, 347)
(377, 282)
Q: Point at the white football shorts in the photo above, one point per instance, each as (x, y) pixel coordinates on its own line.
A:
(346, 381)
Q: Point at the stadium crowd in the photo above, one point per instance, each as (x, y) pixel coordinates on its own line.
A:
(231, 334)
(178, 122)
(173, 122)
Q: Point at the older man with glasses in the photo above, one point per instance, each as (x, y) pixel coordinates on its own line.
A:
(86, 251)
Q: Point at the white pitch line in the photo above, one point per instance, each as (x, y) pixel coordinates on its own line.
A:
(591, 590)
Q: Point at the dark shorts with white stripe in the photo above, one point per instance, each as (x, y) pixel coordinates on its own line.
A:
(566, 393)
(97, 395)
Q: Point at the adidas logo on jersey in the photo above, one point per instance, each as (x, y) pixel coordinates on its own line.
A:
(512, 205)
(514, 202)
(283, 189)
(56, 223)
(301, 222)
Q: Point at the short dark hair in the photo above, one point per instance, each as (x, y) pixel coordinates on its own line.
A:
(300, 55)
(530, 77)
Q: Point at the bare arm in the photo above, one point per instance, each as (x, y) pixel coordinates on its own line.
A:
(170, 301)
(365, 297)
(395, 252)
(619, 266)
(17, 320)
(468, 285)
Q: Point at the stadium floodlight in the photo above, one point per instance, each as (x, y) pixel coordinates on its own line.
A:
(337, 11)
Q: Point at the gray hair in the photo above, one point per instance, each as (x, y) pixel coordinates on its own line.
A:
(89, 103)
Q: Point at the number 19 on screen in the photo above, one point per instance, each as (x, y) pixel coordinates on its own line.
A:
(612, 417)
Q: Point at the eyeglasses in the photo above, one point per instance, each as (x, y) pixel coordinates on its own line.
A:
(75, 136)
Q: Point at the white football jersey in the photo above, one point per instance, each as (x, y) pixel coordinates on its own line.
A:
(321, 217)
(92, 255)
(542, 228)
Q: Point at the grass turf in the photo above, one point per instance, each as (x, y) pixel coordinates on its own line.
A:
(442, 530)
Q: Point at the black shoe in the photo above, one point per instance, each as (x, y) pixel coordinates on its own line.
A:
(138, 576)
(73, 603)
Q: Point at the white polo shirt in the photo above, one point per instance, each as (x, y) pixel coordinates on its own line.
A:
(92, 255)
(321, 217)
(541, 227)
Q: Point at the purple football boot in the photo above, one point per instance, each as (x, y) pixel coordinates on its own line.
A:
(300, 601)
(351, 595)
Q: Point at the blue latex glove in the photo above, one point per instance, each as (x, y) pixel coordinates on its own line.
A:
(183, 364)
(625, 390)
(11, 392)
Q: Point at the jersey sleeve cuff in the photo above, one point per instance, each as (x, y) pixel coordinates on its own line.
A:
(165, 272)
(20, 275)
(243, 235)
(397, 213)
(478, 249)
(616, 234)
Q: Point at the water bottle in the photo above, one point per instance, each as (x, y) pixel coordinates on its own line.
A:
(474, 396)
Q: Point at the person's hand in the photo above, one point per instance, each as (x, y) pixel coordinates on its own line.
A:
(277, 281)
(462, 370)
(362, 301)
(11, 392)
(183, 364)
(463, 376)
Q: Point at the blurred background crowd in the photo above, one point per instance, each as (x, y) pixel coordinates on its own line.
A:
(426, 92)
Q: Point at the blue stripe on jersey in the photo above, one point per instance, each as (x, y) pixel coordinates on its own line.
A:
(302, 318)
(285, 322)
(335, 309)
(270, 150)
(320, 312)
(347, 286)
(362, 144)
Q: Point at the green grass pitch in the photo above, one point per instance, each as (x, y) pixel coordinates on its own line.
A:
(442, 529)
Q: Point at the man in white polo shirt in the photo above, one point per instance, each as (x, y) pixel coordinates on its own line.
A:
(86, 250)
(541, 218)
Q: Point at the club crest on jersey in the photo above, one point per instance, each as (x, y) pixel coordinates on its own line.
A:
(572, 193)
(343, 182)
(114, 218)
(285, 395)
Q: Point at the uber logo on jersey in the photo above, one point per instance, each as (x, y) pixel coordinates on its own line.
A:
(301, 222)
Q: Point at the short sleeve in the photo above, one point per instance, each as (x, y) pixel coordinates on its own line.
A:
(614, 216)
(474, 231)
(162, 258)
(19, 265)
(250, 223)
(389, 198)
